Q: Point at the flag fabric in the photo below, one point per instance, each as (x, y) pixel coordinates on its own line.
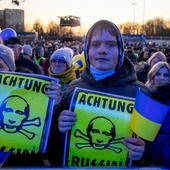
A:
(3, 157)
(147, 116)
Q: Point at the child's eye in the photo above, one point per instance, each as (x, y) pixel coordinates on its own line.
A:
(94, 44)
(112, 44)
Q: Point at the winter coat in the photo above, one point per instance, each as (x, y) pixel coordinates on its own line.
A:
(123, 83)
(27, 66)
(160, 147)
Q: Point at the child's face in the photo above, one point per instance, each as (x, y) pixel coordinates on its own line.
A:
(103, 51)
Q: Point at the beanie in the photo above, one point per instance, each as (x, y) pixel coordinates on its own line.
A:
(64, 54)
(27, 49)
(7, 55)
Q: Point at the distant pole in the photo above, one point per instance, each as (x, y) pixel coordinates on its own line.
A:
(22, 4)
(143, 24)
(134, 4)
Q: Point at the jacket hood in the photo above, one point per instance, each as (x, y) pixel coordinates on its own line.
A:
(161, 92)
(104, 24)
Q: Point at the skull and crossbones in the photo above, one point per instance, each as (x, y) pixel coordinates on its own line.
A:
(14, 114)
(101, 133)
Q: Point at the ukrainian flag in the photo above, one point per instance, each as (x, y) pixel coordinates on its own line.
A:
(3, 157)
(147, 116)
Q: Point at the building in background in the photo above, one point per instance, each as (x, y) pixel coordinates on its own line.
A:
(12, 18)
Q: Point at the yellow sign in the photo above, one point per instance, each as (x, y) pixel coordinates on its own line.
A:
(102, 123)
(25, 112)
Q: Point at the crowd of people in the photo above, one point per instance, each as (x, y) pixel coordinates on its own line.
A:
(111, 66)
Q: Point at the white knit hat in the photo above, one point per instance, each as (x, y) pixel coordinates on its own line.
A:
(27, 49)
(7, 55)
(64, 54)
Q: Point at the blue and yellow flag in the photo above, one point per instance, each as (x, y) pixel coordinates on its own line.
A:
(147, 116)
(3, 157)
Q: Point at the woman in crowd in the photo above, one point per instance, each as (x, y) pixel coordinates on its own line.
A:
(61, 66)
(142, 68)
(156, 57)
(158, 73)
(159, 84)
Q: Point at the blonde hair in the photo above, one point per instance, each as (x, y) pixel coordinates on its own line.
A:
(160, 55)
(154, 71)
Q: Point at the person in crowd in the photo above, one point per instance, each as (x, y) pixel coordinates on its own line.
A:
(7, 60)
(15, 44)
(61, 67)
(142, 68)
(39, 54)
(130, 53)
(27, 52)
(144, 54)
(46, 63)
(159, 84)
(156, 57)
(75, 50)
(157, 73)
(7, 63)
(151, 51)
(107, 70)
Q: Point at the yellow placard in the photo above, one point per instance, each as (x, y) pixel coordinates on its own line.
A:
(102, 123)
(25, 113)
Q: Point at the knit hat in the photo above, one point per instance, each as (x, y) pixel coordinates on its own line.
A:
(7, 55)
(27, 49)
(64, 54)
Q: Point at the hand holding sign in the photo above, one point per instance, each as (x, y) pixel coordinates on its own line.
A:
(66, 121)
(136, 147)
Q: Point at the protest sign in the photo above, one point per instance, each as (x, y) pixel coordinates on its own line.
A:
(102, 122)
(25, 112)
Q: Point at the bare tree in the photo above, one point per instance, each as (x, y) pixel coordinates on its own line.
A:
(130, 28)
(38, 27)
(156, 26)
(53, 30)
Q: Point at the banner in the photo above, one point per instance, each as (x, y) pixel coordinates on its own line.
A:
(148, 116)
(96, 139)
(25, 112)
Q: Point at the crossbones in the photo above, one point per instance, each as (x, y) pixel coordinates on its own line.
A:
(99, 136)
(31, 122)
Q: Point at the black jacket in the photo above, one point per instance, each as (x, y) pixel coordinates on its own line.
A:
(27, 66)
(123, 83)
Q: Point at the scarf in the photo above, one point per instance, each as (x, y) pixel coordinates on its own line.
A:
(65, 77)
